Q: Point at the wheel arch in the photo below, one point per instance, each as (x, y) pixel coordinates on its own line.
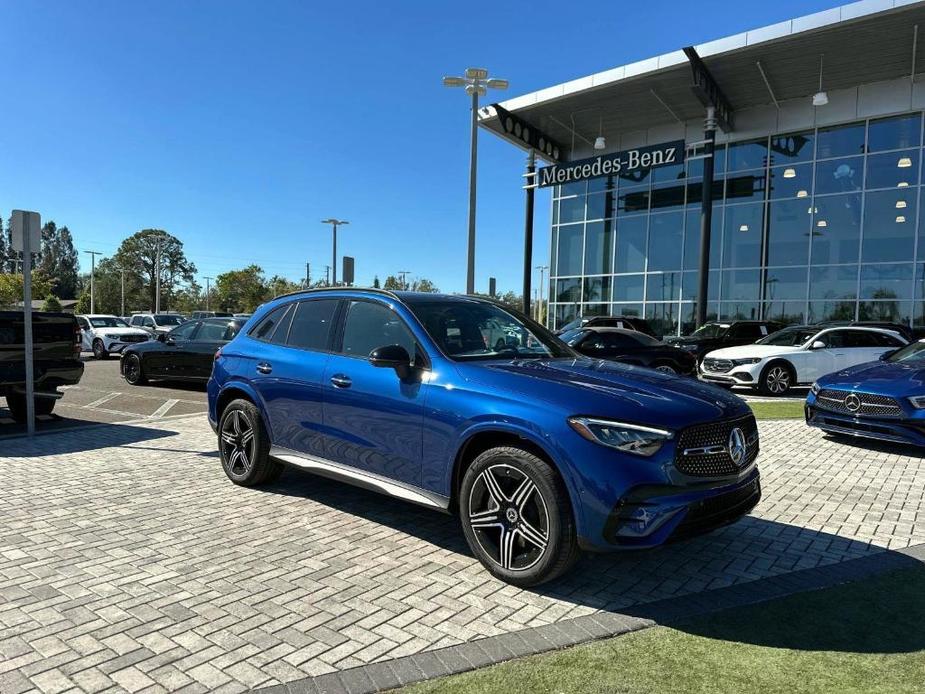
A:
(238, 390)
(779, 361)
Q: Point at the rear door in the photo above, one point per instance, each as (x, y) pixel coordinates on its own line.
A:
(292, 348)
(373, 418)
(865, 345)
(165, 359)
(198, 354)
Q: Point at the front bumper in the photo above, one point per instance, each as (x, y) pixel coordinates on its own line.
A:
(893, 430)
(742, 375)
(648, 517)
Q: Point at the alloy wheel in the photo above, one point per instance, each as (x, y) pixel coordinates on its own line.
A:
(133, 369)
(778, 380)
(509, 518)
(98, 349)
(237, 443)
(665, 369)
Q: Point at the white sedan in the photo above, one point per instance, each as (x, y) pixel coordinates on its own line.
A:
(103, 335)
(797, 355)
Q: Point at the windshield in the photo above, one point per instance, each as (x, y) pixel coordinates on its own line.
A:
(107, 322)
(912, 352)
(168, 319)
(470, 330)
(573, 337)
(572, 325)
(789, 337)
(644, 339)
(710, 330)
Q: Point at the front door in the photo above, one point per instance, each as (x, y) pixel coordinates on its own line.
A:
(373, 418)
(199, 353)
(166, 359)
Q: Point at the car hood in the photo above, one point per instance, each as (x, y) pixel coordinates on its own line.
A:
(120, 331)
(609, 389)
(883, 377)
(748, 351)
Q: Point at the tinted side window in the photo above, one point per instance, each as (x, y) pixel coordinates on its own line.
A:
(311, 324)
(618, 341)
(370, 325)
(884, 340)
(749, 331)
(834, 338)
(148, 322)
(184, 332)
(264, 328)
(212, 332)
(859, 338)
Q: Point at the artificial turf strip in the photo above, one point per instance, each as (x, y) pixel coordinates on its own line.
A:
(777, 410)
(866, 637)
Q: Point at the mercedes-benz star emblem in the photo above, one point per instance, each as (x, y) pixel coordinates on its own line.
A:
(737, 446)
(852, 402)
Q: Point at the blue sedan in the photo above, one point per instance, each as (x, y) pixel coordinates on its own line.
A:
(464, 406)
(882, 400)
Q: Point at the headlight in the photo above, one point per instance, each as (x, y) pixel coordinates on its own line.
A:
(629, 438)
(110, 337)
(815, 388)
(743, 362)
(917, 401)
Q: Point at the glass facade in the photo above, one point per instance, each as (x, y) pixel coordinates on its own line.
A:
(815, 225)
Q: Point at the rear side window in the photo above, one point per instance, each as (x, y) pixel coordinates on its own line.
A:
(370, 325)
(212, 332)
(311, 324)
(749, 331)
(264, 329)
(184, 332)
(884, 340)
(860, 338)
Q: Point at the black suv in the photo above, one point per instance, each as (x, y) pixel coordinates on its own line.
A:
(640, 325)
(719, 334)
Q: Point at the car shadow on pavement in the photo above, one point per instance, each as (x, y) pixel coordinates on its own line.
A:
(865, 444)
(748, 550)
(79, 439)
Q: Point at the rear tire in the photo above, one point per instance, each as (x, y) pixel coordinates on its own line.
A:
(517, 517)
(17, 405)
(132, 371)
(244, 445)
(776, 379)
(99, 350)
(666, 369)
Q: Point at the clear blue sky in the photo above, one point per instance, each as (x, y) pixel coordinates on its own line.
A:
(237, 126)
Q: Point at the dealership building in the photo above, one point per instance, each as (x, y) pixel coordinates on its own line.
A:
(817, 172)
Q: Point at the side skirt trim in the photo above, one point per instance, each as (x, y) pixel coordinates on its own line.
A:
(361, 478)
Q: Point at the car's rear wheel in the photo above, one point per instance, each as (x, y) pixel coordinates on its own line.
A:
(132, 370)
(666, 369)
(17, 405)
(776, 379)
(517, 518)
(244, 445)
(99, 349)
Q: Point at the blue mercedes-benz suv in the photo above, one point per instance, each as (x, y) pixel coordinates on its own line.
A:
(882, 400)
(462, 405)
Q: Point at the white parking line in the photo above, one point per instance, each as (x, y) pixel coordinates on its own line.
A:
(163, 409)
(103, 400)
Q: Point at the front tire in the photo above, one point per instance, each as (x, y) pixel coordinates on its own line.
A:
(244, 445)
(99, 350)
(776, 379)
(517, 517)
(666, 369)
(132, 371)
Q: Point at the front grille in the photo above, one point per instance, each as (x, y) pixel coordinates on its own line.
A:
(703, 450)
(709, 514)
(717, 366)
(133, 338)
(870, 404)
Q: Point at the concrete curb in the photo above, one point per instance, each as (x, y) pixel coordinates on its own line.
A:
(389, 674)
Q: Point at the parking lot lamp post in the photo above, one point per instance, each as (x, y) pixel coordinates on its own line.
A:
(208, 290)
(93, 255)
(539, 312)
(334, 222)
(476, 83)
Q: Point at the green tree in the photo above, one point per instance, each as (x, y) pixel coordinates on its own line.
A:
(376, 284)
(11, 288)
(392, 283)
(424, 285)
(83, 301)
(51, 303)
(277, 286)
(139, 254)
(188, 299)
(240, 291)
(58, 260)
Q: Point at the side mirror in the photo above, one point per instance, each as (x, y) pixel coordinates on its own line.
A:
(391, 357)
(818, 344)
(160, 337)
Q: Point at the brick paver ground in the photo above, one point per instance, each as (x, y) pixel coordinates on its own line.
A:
(128, 562)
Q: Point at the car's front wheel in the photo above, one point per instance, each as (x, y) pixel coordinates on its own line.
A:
(517, 518)
(99, 349)
(132, 370)
(244, 445)
(776, 379)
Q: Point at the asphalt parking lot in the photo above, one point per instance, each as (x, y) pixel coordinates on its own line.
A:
(128, 562)
(103, 397)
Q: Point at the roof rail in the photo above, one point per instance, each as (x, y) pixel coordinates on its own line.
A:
(321, 290)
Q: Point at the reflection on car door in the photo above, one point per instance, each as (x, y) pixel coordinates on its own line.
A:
(372, 417)
(825, 360)
(291, 350)
(165, 359)
(198, 354)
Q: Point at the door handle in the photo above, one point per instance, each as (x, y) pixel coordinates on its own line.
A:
(341, 381)
(264, 368)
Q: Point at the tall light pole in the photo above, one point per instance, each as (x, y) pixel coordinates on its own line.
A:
(404, 275)
(334, 222)
(93, 255)
(208, 290)
(157, 278)
(122, 286)
(539, 311)
(477, 83)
